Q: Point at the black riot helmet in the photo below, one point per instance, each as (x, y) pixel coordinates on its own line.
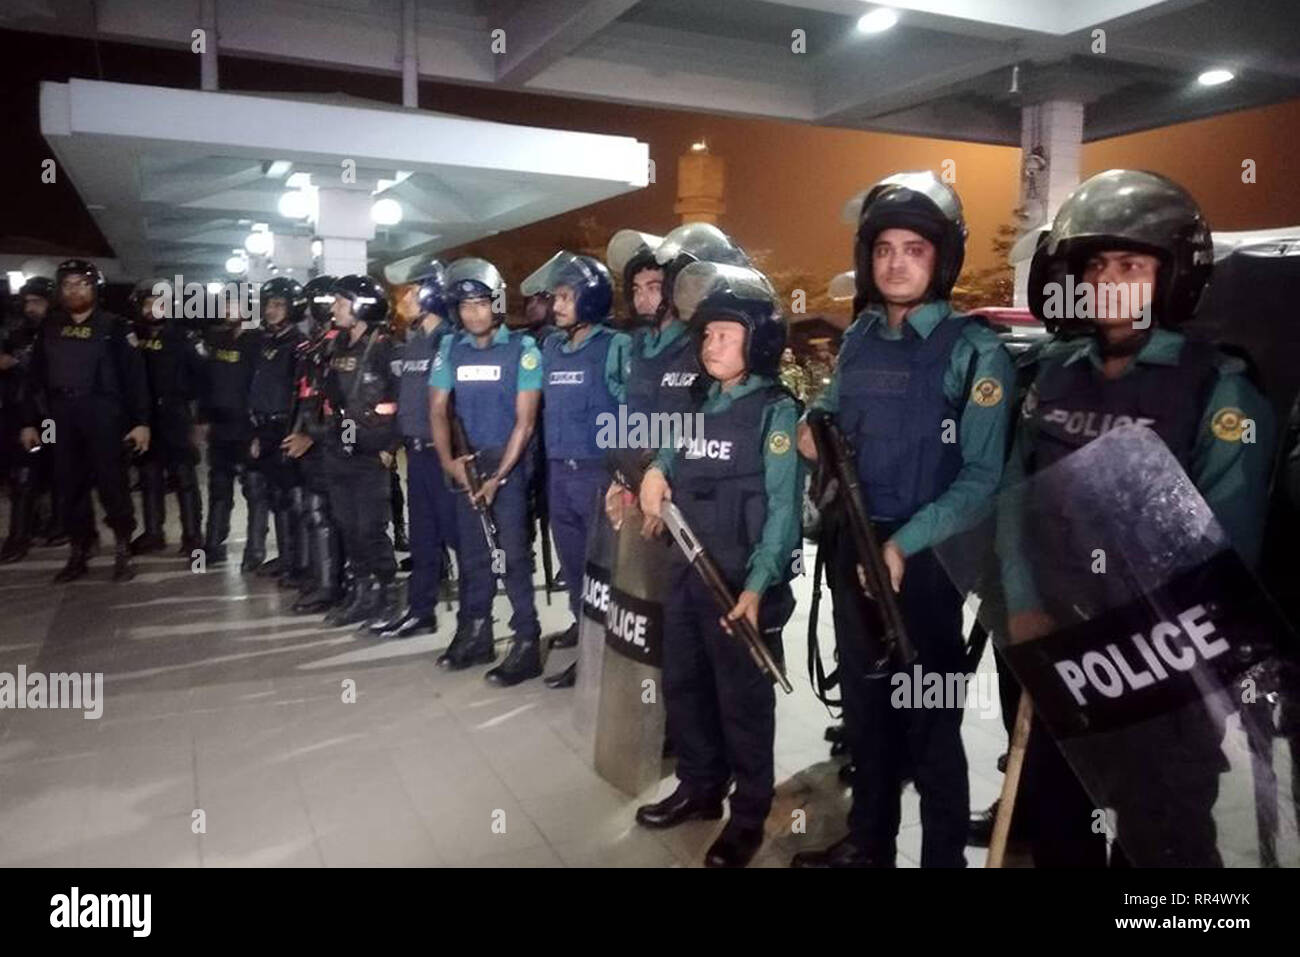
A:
(290, 290)
(369, 302)
(319, 295)
(918, 201)
(142, 293)
(709, 292)
(474, 278)
(690, 243)
(429, 276)
(593, 291)
(80, 267)
(628, 253)
(1125, 209)
(38, 286)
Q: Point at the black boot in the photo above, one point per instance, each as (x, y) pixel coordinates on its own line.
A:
(384, 597)
(843, 853)
(191, 508)
(353, 608)
(78, 562)
(218, 531)
(21, 519)
(564, 639)
(259, 514)
(122, 570)
(523, 661)
(298, 573)
(405, 625)
(564, 679)
(678, 807)
(54, 533)
(471, 645)
(151, 508)
(735, 846)
(324, 591)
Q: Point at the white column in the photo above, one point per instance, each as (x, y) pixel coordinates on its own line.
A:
(344, 226)
(1051, 138)
(410, 60)
(208, 58)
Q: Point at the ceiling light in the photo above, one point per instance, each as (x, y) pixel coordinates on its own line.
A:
(215, 288)
(294, 204)
(298, 180)
(259, 243)
(386, 212)
(16, 280)
(237, 265)
(1215, 77)
(877, 21)
(277, 168)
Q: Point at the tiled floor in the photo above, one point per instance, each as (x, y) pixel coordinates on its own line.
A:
(225, 740)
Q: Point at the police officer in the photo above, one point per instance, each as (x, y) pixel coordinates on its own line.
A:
(1143, 231)
(423, 304)
(175, 363)
(495, 378)
(739, 486)
(232, 346)
(919, 393)
(90, 387)
(583, 380)
(662, 364)
(320, 558)
(361, 400)
(273, 480)
(23, 469)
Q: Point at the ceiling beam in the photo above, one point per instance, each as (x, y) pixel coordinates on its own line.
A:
(542, 32)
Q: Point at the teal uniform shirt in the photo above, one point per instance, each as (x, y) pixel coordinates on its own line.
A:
(1230, 471)
(616, 360)
(782, 480)
(978, 363)
(654, 342)
(530, 361)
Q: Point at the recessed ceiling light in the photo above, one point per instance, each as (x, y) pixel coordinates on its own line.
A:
(1215, 77)
(877, 21)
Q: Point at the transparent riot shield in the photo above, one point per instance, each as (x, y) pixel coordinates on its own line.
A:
(631, 716)
(591, 625)
(1162, 669)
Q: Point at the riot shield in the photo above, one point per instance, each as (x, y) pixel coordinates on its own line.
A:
(591, 625)
(631, 715)
(1161, 668)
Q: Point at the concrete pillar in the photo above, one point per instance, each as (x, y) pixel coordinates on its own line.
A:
(208, 58)
(344, 226)
(410, 60)
(701, 185)
(1051, 138)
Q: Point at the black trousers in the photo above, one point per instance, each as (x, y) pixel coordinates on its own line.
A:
(227, 458)
(88, 453)
(721, 708)
(888, 743)
(361, 509)
(281, 472)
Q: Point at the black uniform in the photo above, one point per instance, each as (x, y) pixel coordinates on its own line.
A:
(231, 353)
(319, 543)
(361, 395)
(174, 366)
(273, 481)
(89, 382)
(23, 470)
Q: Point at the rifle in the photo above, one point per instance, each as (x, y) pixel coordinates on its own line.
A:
(837, 477)
(707, 569)
(460, 447)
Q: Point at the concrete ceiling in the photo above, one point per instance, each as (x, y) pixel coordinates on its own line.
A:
(945, 70)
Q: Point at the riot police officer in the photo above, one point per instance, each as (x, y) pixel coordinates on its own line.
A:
(360, 394)
(24, 470)
(919, 392)
(320, 558)
(175, 363)
(90, 397)
(232, 347)
(495, 377)
(740, 490)
(583, 380)
(423, 303)
(273, 482)
(1142, 231)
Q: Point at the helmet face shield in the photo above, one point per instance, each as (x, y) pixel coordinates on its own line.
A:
(704, 282)
(628, 245)
(699, 242)
(587, 278)
(722, 292)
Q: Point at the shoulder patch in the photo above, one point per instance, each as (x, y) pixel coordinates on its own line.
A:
(778, 443)
(986, 392)
(529, 361)
(1228, 424)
